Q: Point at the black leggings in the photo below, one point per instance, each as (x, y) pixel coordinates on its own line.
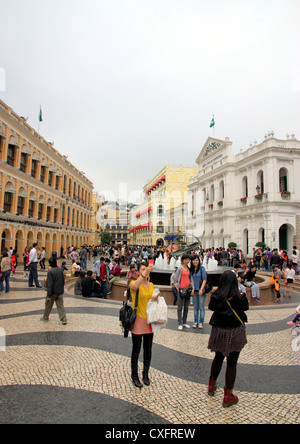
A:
(230, 370)
(136, 348)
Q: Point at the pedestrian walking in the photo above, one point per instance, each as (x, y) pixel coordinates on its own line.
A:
(228, 335)
(32, 265)
(42, 258)
(55, 291)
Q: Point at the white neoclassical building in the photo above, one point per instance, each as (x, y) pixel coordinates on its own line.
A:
(248, 197)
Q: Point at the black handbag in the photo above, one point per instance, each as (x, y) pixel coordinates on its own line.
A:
(185, 293)
(127, 315)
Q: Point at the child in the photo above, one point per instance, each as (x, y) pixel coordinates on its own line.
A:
(289, 279)
(274, 281)
(297, 317)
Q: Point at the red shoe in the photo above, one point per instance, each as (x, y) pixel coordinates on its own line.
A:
(212, 384)
(229, 398)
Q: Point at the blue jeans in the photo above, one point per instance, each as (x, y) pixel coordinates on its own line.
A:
(199, 307)
(104, 289)
(175, 293)
(5, 277)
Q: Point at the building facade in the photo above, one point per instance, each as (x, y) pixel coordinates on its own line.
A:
(163, 202)
(250, 197)
(43, 197)
(113, 217)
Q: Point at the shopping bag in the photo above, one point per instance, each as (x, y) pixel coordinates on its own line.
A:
(157, 312)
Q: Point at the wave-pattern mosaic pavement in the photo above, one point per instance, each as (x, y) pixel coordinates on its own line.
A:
(80, 373)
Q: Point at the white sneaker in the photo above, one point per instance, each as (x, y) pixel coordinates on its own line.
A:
(200, 325)
(186, 325)
(180, 327)
(195, 325)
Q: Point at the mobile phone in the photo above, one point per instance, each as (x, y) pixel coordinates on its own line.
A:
(150, 262)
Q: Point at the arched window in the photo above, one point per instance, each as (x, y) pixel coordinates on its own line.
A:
(221, 190)
(283, 180)
(245, 186)
(160, 211)
(212, 193)
(65, 185)
(260, 182)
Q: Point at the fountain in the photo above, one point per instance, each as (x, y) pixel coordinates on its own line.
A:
(161, 275)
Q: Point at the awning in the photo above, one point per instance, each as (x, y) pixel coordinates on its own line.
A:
(145, 211)
(149, 226)
(157, 183)
(171, 237)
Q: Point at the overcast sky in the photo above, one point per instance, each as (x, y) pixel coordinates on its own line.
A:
(128, 86)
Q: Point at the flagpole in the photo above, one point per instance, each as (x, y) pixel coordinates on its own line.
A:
(39, 121)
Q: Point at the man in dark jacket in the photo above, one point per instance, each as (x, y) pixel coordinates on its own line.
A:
(55, 291)
(275, 259)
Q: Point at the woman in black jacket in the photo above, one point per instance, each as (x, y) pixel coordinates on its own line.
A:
(228, 335)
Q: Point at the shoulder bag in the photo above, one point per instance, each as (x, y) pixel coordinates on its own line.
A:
(127, 314)
(235, 313)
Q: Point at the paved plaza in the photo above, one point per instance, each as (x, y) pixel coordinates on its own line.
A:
(80, 373)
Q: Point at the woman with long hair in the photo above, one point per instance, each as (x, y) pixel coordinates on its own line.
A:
(183, 282)
(228, 335)
(141, 331)
(200, 278)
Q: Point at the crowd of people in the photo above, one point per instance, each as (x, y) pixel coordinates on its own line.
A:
(228, 302)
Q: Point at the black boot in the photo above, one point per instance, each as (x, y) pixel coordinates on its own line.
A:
(146, 380)
(135, 376)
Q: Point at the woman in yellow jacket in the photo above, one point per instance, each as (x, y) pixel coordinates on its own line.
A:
(141, 330)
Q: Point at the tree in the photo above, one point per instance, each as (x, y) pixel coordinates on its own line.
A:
(261, 245)
(106, 237)
(232, 245)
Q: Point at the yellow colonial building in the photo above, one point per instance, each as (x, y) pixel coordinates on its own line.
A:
(43, 197)
(164, 197)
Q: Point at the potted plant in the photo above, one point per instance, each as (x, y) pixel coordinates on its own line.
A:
(259, 196)
(220, 203)
(285, 193)
(244, 199)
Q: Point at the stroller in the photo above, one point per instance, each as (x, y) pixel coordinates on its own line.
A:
(296, 329)
(296, 323)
